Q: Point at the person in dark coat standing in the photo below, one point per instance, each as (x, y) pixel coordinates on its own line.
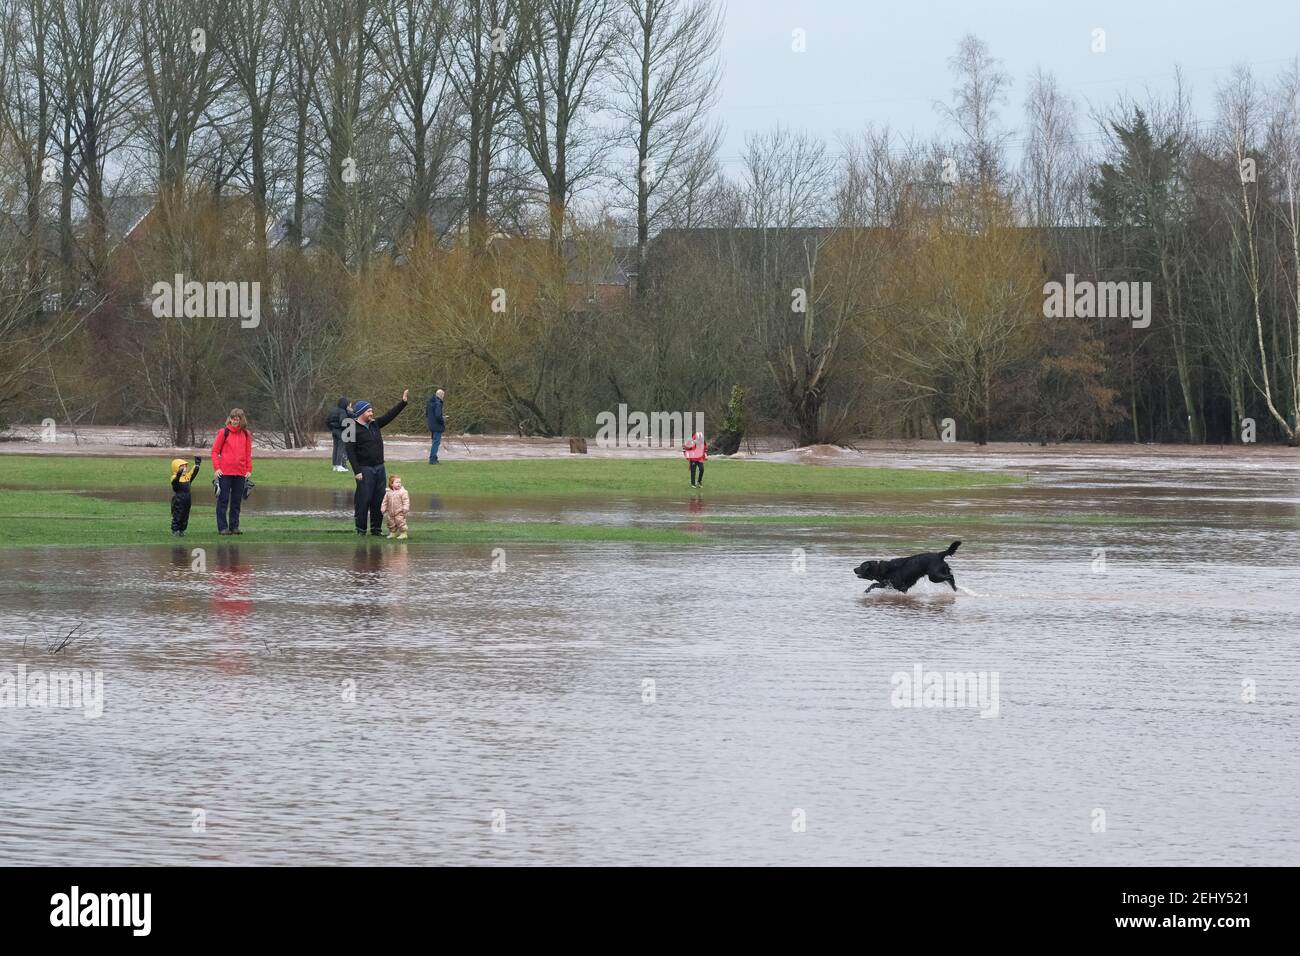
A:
(334, 422)
(437, 423)
(366, 455)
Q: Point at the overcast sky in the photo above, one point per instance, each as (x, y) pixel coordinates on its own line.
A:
(870, 60)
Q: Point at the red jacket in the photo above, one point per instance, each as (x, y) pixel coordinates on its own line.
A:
(232, 451)
(696, 449)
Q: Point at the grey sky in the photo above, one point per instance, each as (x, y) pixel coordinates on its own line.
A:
(869, 60)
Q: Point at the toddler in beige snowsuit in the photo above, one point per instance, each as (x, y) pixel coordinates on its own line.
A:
(396, 505)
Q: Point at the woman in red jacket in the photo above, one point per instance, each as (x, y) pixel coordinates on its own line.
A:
(232, 461)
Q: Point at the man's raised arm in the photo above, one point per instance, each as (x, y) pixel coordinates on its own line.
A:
(393, 412)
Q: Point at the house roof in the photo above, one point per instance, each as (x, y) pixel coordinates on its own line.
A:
(125, 214)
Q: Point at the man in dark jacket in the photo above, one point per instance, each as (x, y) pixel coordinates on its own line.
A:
(334, 422)
(437, 423)
(366, 455)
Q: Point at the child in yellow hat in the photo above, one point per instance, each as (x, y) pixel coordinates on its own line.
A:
(182, 476)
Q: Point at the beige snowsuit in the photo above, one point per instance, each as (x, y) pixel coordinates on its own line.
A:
(396, 504)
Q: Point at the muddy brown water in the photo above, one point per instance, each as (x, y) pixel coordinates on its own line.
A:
(387, 704)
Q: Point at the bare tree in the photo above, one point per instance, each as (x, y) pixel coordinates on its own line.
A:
(483, 55)
(981, 88)
(1285, 139)
(665, 70)
(873, 186)
(554, 88)
(413, 40)
(30, 88)
(787, 180)
(1050, 159)
(304, 52)
(254, 44)
(347, 97)
(96, 40)
(1278, 376)
(181, 82)
(26, 340)
(289, 357)
(696, 198)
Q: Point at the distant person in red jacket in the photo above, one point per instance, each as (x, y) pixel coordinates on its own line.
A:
(232, 462)
(697, 453)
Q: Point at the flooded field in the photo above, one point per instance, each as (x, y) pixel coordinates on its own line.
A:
(1131, 620)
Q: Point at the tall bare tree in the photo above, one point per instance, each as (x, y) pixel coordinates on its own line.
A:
(665, 70)
(1285, 141)
(181, 80)
(1051, 150)
(981, 87)
(787, 181)
(413, 39)
(347, 97)
(1277, 378)
(303, 52)
(254, 42)
(555, 89)
(96, 41)
(31, 86)
(482, 58)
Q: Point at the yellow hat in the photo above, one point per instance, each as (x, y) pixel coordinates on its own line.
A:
(177, 463)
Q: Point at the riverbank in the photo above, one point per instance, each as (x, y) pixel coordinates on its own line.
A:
(135, 441)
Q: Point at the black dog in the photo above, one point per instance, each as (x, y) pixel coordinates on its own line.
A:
(901, 573)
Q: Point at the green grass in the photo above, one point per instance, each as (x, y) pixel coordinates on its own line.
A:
(55, 503)
(520, 479)
(52, 518)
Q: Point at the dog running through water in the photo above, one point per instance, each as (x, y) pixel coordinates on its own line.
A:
(901, 573)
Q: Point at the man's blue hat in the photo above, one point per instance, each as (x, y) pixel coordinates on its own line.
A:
(360, 407)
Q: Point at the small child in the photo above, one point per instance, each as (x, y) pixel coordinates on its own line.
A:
(396, 505)
(182, 477)
(697, 453)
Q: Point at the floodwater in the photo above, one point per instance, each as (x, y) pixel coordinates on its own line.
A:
(1132, 623)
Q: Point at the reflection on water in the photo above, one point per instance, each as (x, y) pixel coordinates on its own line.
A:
(377, 703)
